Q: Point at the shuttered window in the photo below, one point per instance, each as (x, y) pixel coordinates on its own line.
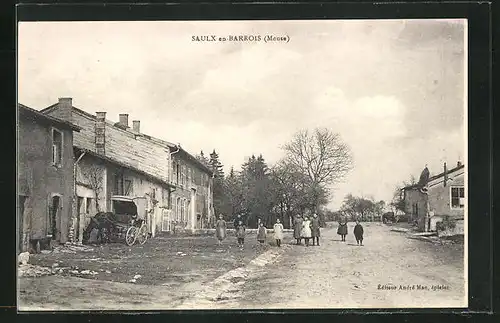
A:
(57, 146)
(457, 197)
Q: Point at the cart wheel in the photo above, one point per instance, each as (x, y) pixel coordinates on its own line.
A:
(142, 235)
(130, 236)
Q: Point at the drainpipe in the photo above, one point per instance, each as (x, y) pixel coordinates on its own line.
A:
(75, 165)
(175, 152)
(170, 188)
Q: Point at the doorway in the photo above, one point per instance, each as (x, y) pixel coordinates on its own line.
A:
(54, 217)
(79, 216)
(20, 221)
(192, 209)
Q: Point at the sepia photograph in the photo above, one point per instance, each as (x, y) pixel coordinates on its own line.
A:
(251, 164)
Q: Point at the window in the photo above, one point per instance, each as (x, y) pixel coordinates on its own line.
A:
(415, 209)
(89, 205)
(127, 189)
(182, 211)
(79, 205)
(178, 173)
(184, 206)
(457, 197)
(57, 145)
(178, 209)
(118, 189)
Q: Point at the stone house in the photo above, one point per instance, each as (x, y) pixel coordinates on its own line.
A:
(44, 178)
(114, 159)
(443, 197)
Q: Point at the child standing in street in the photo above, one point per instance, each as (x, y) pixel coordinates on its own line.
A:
(315, 229)
(220, 229)
(278, 232)
(240, 234)
(342, 230)
(262, 233)
(358, 233)
(306, 230)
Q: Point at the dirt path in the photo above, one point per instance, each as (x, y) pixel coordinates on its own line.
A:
(173, 272)
(336, 274)
(342, 275)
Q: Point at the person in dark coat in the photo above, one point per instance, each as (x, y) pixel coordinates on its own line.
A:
(262, 233)
(358, 233)
(240, 234)
(297, 229)
(315, 228)
(342, 230)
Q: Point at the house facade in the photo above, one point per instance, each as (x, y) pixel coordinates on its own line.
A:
(191, 201)
(112, 158)
(443, 197)
(45, 177)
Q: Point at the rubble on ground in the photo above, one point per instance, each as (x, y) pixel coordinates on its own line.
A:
(27, 270)
(72, 248)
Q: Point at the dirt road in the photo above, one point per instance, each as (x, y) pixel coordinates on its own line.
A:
(390, 270)
(164, 273)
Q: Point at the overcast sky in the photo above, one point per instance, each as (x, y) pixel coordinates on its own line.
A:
(394, 90)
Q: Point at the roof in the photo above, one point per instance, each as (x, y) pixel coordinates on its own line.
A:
(116, 162)
(195, 160)
(125, 198)
(24, 110)
(155, 140)
(432, 178)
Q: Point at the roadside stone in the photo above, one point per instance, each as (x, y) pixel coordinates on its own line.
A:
(24, 258)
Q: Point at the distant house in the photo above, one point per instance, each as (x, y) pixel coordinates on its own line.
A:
(177, 186)
(443, 197)
(45, 178)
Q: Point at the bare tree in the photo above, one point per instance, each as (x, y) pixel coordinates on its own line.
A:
(321, 155)
(94, 177)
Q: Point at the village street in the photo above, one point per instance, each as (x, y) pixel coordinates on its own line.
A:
(343, 275)
(195, 273)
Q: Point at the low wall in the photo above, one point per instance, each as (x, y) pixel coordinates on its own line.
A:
(457, 230)
(202, 232)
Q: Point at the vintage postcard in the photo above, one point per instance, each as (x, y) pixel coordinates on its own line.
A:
(304, 164)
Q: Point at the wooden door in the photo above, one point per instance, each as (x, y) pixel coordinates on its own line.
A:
(20, 217)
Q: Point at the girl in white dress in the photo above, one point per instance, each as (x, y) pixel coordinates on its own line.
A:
(306, 230)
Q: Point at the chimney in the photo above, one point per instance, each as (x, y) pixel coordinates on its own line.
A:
(124, 120)
(459, 163)
(65, 109)
(445, 172)
(136, 125)
(100, 133)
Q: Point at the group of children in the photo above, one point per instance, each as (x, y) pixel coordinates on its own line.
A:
(303, 229)
(220, 231)
(306, 229)
(358, 230)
